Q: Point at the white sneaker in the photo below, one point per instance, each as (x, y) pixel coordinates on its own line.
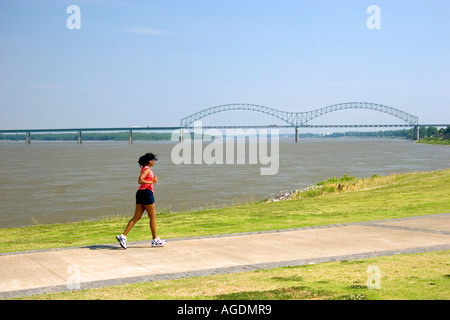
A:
(122, 240)
(158, 242)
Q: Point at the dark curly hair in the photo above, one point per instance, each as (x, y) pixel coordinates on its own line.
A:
(143, 160)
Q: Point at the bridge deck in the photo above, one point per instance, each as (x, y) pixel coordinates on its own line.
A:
(49, 130)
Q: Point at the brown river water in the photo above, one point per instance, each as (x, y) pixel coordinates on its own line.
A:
(53, 182)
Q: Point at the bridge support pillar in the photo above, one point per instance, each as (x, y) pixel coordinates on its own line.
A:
(416, 133)
(297, 135)
(27, 138)
(130, 137)
(181, 135)
(80, 140)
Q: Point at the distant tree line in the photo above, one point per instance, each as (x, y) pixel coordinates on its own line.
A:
(424, 132)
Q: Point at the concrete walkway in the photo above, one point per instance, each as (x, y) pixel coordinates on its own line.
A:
(55, 270)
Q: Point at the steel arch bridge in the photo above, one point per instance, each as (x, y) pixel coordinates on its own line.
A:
(300, 119)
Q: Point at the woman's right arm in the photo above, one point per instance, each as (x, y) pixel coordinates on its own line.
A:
(144, 175)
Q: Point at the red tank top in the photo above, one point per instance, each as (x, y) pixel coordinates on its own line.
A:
(147, 178)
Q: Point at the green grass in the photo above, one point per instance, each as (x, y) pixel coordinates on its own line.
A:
(336, 200)
(342, 200)
(435, 140)
(421, 276)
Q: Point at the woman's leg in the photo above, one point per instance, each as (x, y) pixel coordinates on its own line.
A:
(150, 208)
(137, 216)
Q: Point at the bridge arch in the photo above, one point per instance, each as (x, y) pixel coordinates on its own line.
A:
(298, 119)
(230, 107)
(402, 115)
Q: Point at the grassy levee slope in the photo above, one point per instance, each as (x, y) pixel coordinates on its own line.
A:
(336, 200)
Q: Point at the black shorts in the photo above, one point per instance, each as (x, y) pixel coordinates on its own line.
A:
(145, 196)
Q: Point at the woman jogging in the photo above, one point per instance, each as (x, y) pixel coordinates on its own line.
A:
(145, 201)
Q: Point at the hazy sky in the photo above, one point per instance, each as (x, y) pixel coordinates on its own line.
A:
(139, 63)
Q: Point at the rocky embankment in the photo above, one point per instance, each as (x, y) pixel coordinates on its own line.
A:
(293, 195)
